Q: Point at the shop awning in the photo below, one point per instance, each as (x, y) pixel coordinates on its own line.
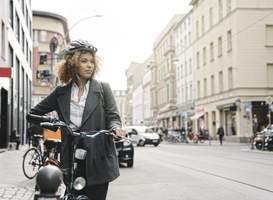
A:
(195, 117)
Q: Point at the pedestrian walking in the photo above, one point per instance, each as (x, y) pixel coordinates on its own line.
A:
(160, 133)
(14, 137)
(221, 133)
(86, 105)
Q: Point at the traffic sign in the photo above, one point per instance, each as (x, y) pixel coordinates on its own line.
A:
(269, 100)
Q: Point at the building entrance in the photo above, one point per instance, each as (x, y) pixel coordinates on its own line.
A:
(4, 116)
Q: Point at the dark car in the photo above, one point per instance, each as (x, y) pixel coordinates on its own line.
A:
(125, 152)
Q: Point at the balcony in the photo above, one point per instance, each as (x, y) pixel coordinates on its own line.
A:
(170, 49)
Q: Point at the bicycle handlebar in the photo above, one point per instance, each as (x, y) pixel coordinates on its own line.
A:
(58, 123)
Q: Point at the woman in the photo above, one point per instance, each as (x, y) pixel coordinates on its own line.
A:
(86, 105)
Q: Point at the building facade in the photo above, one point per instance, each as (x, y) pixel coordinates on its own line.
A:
(130, 77)
(120, 96)
(46, 25)
(233, 48)
(163, 81)
(16, 54)
(184, 70)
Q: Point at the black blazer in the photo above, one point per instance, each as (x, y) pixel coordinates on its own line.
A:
(101, 161)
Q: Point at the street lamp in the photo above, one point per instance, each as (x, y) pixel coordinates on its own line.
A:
(75, 25)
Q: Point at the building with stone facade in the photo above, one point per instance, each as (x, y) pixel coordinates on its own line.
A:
(183, 32)
(16, 56)
(163, 81)
(46, 25)
(233, 48)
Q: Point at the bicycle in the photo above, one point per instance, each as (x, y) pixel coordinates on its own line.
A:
(72, 182)
(36, 157)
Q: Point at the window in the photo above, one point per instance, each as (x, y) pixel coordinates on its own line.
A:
(190, 66)
(27, 17)
(181, 45)
(197, 29)
(23, 6)
(197, 60)
(177, 49)
(184, 25)
(168, 90)
(189, 21)
(190, 97)
(230, 77)
(229, 41)
(211, 18)
(186, 71)
(17, 32)
(171, 40)
(220, 10)
(211, 52)
(26, 50)
(43, 36)
(30, 28)
(178, 74)
(11, 13)
(10, 56)
(228, 6)
(181, 71)
(205, 87)
(203, 25)
(23, 40)
(212, 85)
(178, 96)
(269, 35)
(183, 95)
(185, 39)
(204, 56)
(189, 38)
(219, 46)
(221, 85)
(198, 89)
(3, 39)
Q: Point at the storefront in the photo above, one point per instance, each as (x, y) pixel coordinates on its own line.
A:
(260, 116)
(228, 118)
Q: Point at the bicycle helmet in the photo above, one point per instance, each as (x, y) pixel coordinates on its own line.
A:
(75, 45)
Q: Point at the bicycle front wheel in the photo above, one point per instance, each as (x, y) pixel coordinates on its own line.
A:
(32, 162)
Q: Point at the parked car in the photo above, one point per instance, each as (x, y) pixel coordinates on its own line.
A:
(142, 135)
(125, 152)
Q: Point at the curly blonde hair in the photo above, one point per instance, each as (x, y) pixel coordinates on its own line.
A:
(66, 69)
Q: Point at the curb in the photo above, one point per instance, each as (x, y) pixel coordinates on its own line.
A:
(257, 151)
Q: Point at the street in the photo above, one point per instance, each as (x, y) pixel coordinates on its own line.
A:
(170, 171)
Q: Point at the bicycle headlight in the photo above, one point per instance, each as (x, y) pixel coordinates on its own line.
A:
(126, 143)
(79, 183)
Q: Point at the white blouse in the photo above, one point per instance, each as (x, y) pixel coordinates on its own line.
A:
(77, 108)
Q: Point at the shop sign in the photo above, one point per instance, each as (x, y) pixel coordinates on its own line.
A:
(226, 106)
(200, 110)
(247, 106)
(5, 72)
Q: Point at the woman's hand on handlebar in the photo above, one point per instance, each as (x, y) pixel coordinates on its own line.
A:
(119, 132)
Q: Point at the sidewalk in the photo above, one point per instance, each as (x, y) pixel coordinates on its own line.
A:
(13, 183)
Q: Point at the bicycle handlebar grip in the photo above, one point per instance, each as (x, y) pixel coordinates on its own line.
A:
(39, 118)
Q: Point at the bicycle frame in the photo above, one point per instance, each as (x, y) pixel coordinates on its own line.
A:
(73, 164)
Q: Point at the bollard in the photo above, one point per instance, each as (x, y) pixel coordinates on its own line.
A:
(48, 180)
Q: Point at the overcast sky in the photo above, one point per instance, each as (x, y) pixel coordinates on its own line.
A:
(125, 33)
